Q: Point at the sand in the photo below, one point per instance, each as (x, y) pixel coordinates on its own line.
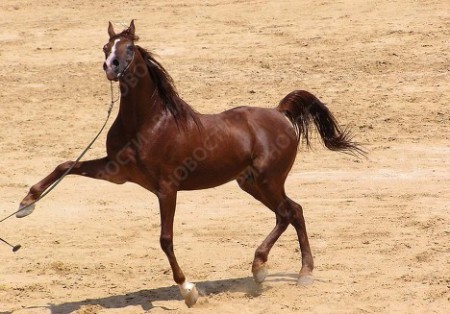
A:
(379, 227)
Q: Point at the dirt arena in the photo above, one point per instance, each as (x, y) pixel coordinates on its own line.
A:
(379, 228)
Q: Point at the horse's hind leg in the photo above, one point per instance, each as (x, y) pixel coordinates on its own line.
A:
(271, 193)
(298, 221)
(259, 269)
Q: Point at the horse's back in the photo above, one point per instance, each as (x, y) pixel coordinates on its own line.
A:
(234, 140)
(260, 125)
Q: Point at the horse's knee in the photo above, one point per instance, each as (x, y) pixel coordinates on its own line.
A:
(64, 166)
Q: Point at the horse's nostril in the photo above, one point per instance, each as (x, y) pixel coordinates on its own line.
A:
(104, 66)
(115, 62)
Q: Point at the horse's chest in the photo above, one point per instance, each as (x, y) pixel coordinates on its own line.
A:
(121, 150)
(126, 155)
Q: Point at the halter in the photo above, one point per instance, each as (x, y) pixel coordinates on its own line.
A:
(119, 75)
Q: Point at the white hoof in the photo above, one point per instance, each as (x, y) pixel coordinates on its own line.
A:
(260, 274)
(25, 210)
(189, 293)
(305, 280)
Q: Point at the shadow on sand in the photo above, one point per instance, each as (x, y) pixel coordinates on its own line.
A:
(144, 298)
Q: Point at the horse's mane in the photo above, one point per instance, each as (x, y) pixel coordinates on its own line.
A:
(165, 87)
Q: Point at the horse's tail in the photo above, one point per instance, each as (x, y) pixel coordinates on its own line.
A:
(302, 107)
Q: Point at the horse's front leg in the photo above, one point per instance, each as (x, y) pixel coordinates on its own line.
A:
(103, 168)
(167, 204)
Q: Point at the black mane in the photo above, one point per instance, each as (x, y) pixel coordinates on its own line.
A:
(165, 87)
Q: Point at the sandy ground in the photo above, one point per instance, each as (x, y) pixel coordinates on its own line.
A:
(379, 228)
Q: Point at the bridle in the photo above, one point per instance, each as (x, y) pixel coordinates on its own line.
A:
(119, 75)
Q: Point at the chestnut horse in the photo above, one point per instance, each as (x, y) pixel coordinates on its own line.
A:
(159, 142)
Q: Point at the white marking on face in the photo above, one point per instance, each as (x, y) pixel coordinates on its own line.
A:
(112, 55)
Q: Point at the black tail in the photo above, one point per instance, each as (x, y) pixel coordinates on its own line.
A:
(302, 107)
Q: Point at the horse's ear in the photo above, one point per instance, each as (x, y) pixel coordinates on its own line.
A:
(132, 28)
(111, 30)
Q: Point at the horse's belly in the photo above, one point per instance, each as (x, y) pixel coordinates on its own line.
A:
(194, 174)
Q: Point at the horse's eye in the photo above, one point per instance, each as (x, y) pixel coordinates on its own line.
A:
(105, 48)
(130, 47)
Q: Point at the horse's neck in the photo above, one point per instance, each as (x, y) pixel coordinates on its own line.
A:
(138, 103)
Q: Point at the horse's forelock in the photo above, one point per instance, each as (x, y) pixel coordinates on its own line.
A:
(127, 35)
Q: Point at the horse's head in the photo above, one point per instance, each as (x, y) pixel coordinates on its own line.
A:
(119, 52)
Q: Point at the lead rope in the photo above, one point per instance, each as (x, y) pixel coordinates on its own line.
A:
(51, 187)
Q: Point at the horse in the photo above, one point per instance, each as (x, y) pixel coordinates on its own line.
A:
(160, 143)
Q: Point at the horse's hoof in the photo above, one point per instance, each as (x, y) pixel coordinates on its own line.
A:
(25, 210)
(305, 280)
(260, 274)
(189, 293)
